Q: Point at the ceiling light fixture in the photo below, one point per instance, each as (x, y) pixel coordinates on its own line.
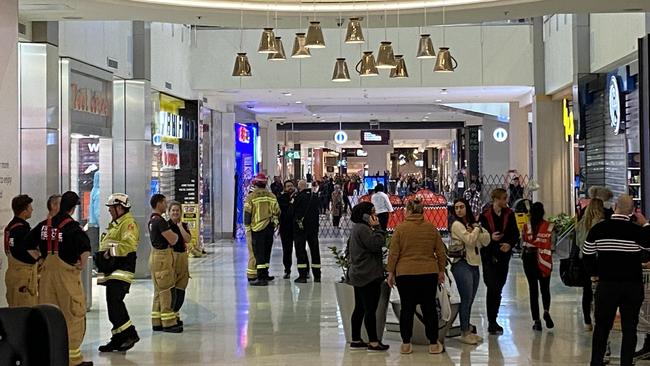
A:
(400, 71)
(445, 62)
(425, 47)
(280, 55)
(315, 37)
(444, 91)
(341, 73)
(242, 66)
(299, 49)
(386, 56)
(298, 102)
(354, 34)
(267, 42)
(367, 66)
(287, 94)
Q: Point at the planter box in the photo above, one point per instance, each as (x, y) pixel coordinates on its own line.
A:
(345, 300)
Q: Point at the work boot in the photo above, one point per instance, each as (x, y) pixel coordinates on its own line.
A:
(173, 329)
(112, 345)
(259, 282)
(495, 328)
(85, 363)
(130, 338)
(300, 280)
(157, 328)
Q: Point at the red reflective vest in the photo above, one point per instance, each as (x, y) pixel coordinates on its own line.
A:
(543, 241)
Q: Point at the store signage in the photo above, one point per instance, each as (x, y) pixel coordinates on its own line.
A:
(157, 139)
(171, 156)
(615, 105)
(361, 153)
(500, 134)
(567, 120)
(375, 137)
(190, 216)
(243, 135)
(293, 154)
(89, 101)
(340, 137)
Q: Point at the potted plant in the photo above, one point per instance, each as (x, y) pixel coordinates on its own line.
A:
(345, 296)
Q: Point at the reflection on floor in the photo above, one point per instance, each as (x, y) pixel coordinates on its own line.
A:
(229, 323)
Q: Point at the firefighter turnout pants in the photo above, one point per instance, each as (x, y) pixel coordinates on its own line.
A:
(262, 246)
(182, 277)
(161, 264)
(116, 291)
(61, 285)
(21, 280)
(251, 269)
(302, 239)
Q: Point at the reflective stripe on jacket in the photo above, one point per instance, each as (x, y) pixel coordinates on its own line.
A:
(260, 209)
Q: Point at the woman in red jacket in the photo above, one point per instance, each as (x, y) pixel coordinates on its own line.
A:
(538, 263)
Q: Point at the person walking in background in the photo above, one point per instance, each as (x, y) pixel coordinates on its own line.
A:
(366, 274)
(538, 263)
(515, 189)
(500, 222)
(612, 256)
(21, 278)
(416, 263)
(347, 184)
(286, 226)
(467, 237)
(337, 206)
(261, 217)
(473, 196)
(305, 232)
(277, 187)
(181, 264)
(604, 194)
(382, 204)
(594, 213)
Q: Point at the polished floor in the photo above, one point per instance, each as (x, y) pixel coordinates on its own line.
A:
(229, 323)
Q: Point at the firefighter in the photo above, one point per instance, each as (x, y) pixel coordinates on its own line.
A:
(66, 248)
(181, 265)
(251, 269)
(305, 232)
(261, 216)
(161, 263)
(53, 204)
(116, 260)
(21, 278)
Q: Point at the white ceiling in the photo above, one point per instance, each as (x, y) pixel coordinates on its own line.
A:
(356, 105)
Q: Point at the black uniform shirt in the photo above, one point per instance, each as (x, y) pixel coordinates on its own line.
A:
(71, 240)
(180, 246)
(16, 236)
(286, 212)
(157, 226)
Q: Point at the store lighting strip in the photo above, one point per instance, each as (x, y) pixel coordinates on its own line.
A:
(319, 7)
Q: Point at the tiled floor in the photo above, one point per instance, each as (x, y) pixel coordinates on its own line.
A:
(229, 323)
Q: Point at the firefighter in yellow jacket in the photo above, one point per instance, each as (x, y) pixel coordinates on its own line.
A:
(66, 248)
(21, 278)
(261, 216)
(116, 259)
(251, 269)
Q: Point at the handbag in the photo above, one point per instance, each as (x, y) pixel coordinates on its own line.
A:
(572, 269)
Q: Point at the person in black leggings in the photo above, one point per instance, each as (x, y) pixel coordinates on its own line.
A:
(366, 274)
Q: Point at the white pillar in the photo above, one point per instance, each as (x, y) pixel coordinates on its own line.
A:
(227, 157)
(519, 140)
(377, 158)
(270, 153)
(9, 159)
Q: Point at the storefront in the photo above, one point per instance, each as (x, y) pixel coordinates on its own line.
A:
(609, 132)
(175, 156)
(247, 162)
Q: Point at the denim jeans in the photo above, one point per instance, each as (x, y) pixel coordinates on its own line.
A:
(467, 279)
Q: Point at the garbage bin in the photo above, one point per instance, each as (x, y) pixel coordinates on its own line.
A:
(87, 282)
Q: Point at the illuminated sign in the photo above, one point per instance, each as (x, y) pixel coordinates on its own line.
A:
(615, 105)
(567, 121)
(500, 134)
(157, 139)
(362, 153)
(293, 154)
(375, 137)
(340, 137)
(243, 135)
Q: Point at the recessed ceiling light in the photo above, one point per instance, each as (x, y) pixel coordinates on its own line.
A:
(438, 100)
(444, 91)
(298, 102)
(287, 94)
(314, 115)
(429, 113)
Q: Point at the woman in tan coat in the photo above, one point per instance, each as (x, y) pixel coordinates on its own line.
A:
(416, 262)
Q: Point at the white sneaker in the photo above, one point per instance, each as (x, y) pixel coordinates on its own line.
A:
(467, 339)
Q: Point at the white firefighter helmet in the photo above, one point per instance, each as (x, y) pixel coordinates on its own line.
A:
(119, 199)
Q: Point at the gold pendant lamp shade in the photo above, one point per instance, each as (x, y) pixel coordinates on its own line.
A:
(267, 42)
(341, 73)
(445, 62)
(425, 48)
(299, 49)
(399, 72)
(315, 37)
(242, 66)
(366, 66)
(354, 34)
(386, 57)
(280, 55)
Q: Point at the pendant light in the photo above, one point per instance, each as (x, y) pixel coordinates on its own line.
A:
(425, 47)
(279, 55)
(354, 34)
(242, 66)
(399, 72)
(267, 41)
(341, 73)
(445, 62)
(315, 37)
(367, 67)
(386, 56)
(299, 42)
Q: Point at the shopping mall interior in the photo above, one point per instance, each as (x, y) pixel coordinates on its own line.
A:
(432, 99)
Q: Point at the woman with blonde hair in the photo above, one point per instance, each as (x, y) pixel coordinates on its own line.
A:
(594, 213)
(416, 262)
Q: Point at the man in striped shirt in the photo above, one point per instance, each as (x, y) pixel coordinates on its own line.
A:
(613, 259)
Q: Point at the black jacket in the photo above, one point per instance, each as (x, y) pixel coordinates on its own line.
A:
(508, 229)
(286, 211)
(306, 207)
